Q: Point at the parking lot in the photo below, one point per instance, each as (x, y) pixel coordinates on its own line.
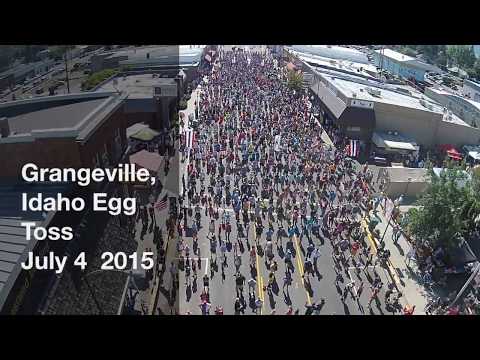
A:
(55, 77)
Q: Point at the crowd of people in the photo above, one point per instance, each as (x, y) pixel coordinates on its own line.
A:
(259, 165)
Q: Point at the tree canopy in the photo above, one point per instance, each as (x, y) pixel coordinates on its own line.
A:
(447, 209)
(295, 79)
(462, 56)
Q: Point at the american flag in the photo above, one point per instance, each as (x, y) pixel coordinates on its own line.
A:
(161, 205)
(353, 148)
(189, 138)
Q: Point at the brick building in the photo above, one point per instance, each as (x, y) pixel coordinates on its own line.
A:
(76, 131)
(80, 130)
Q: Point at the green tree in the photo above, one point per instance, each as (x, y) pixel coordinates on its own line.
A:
(461, 55)
(96, 78)
(471, 209)
(439, 219)
(295, 79)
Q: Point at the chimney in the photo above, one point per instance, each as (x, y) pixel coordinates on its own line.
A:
(4, 127)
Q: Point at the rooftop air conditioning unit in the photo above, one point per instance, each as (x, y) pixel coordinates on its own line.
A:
(373, 92)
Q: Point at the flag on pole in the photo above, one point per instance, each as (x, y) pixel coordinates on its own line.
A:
(189, 135)
(353, 148)
(161, 205)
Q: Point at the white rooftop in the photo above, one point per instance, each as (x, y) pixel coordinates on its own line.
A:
(395, 55)
(364, 69)
(137, 86)
(448, 92)
(389, 96)
(333, 52)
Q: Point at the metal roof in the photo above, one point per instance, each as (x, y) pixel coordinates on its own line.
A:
(405, 59)
(58, 117)
(72, 116)
(14, 247)
(333, 52)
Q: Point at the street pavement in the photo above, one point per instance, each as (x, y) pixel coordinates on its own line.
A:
(222, 288)
(402, 269)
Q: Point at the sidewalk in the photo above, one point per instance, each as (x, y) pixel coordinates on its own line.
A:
(403, 272)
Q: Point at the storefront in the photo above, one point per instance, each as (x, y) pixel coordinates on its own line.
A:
(393, 147)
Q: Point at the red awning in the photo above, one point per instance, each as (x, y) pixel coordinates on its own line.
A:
(454, 154)
(451, 151)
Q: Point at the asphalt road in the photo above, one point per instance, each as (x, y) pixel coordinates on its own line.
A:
(222, 287)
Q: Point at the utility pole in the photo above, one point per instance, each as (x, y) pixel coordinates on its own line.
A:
(66, 69)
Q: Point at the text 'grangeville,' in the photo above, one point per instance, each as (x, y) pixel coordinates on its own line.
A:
(83, 177)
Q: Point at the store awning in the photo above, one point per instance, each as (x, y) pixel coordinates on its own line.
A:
(147, 160)
(455, 155)
(474, 154)
(145, 134)
(391, 141)
(399, 145)
(451, 151)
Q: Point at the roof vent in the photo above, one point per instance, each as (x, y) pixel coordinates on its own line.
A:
(354, 94)
(373, 92)
(423, 103)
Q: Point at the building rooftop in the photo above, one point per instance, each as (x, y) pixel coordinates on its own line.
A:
(360, 89)
(361, 69)
(66, 116)
(183, 55)
(333, 52)
(449, 92)
(72, 115)
(14, 246)
(395, 55)
(399, 57)
(472, 83)
(137, 86)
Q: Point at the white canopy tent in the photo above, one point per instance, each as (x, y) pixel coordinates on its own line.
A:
(393, 140)
(473, 151)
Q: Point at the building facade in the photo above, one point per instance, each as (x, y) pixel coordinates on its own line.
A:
(81, 130)
(464, 108)
(471, 89)
(402, 65)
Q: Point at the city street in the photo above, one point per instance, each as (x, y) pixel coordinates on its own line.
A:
(285, 294)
